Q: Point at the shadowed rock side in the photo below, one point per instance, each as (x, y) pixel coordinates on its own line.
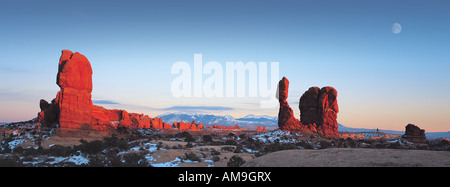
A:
(318, 110)
(415, 134)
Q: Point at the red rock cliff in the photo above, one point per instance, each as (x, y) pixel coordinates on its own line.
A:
(73, 109)
(74, 99)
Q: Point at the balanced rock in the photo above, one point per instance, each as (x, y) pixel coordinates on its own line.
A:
(319, 108)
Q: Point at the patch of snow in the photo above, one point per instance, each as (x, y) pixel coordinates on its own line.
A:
(278, 135)
(151, 147)
(16, 142)
(173, 163)
(78, 160)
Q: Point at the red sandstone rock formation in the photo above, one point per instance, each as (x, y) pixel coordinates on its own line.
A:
(259, 129)
(415, 134)
(74, 99)
(73, 108)
(286, 119)
(318, 110)
(185, 126)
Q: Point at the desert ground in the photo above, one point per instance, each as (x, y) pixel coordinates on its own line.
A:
(352, 157)
(57, 148)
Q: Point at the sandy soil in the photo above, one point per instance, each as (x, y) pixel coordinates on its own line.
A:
(346, 157)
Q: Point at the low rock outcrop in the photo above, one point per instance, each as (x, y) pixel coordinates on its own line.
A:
(75, 81)
(414, 134)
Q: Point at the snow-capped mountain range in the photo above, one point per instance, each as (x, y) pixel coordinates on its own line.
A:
(249, 121)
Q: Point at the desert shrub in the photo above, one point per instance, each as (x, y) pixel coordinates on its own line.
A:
(238, 149)
(186, 135)
(216, 158)
(59, 150)
(378, 145)
(216, 143)
(230, 142)
(18, 150)
(214, 152)
(9, 162)
(207, 138)
(325, 145)
(277, 146)
(97, 160)
(189, 138)
(191, 156)
(189, 145)
(92, 147)
(243, 136)
(441, 145)
(350, 143)
(228, 148)
(304, 144)
(113, 141)
(253, 144)
(105, 160)
(135, 160)
(123, 130)
(159, 145)
(235, 161)
(395, 145)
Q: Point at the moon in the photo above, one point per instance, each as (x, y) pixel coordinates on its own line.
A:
(396, 28)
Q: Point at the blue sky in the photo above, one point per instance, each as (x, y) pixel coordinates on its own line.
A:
(384, 80)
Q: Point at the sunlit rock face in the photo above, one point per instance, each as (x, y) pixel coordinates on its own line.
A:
(73, 108)
(318, 110)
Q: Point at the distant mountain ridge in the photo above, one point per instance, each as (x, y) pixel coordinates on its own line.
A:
(252, 121)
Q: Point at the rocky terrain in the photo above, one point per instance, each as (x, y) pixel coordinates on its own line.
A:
(71, 131)
(26, 144)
